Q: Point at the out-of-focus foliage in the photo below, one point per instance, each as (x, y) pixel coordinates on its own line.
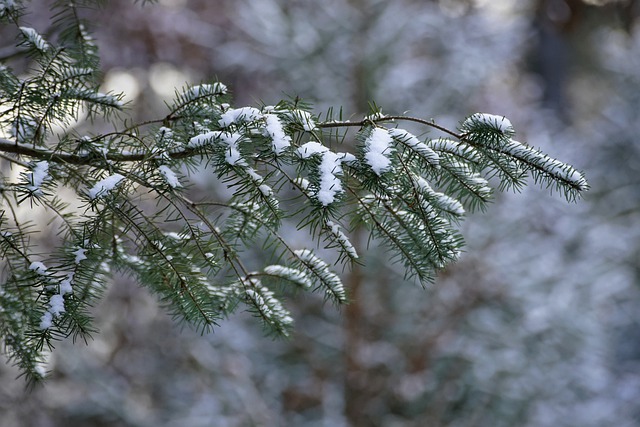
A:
(537, 325)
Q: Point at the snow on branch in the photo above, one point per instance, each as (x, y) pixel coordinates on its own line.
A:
(105, 186)
(319, 272)
(542, 164)
(378, 149)
(410, 194)
(34, 39)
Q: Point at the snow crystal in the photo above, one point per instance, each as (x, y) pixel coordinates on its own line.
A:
(37, 176)
(80, 255)
(416, 145)
(499, 122)
(105, 185)
(378, 147)
(176, 236)
(375, 116)
(244, 114)
(38, 267)
(342, 239)
(169, 176)
(275, 130)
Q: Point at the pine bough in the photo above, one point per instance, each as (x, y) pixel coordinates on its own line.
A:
(120, 202)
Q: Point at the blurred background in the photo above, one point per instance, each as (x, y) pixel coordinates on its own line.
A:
(537, 325)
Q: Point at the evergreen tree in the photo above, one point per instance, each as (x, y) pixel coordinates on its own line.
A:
(118, 201)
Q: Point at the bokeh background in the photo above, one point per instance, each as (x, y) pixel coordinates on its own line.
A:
(537, 325)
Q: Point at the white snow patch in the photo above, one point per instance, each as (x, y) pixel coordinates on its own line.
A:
(230, 139)
(310, 148)
(37, 176)
(378, 147)
(276, 132)
(254, 175)
(499, 122)
(65, 285)
(264, 188)
(169, 176)
(165, 133)
(244, 114)
(56, 304)
(35, 38)
(206, 89)
(38, 267)
(291, 274)
(551, 166)
(56, 308)
(105, 185)
(304, 118)
(416, 145)
(330, 184)
(80, 255)
(441, 200)
(342, 239)
(301, 182)
(330, 169)
(203, 139)
(347, 158)
(232, 155)
(46, 320)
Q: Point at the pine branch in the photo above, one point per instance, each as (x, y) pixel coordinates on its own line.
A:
(130, 207)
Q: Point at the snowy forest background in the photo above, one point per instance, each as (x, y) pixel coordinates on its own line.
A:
(538, 325)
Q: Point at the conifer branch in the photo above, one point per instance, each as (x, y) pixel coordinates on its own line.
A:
(386, 119)
(129, 209)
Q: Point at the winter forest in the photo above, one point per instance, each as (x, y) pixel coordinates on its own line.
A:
(525, 311)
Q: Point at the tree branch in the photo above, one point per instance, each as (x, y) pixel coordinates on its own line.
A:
(8, 146)
(335, 124)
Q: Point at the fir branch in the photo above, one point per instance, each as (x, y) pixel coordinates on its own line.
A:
(386, 119)
(408, 192)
